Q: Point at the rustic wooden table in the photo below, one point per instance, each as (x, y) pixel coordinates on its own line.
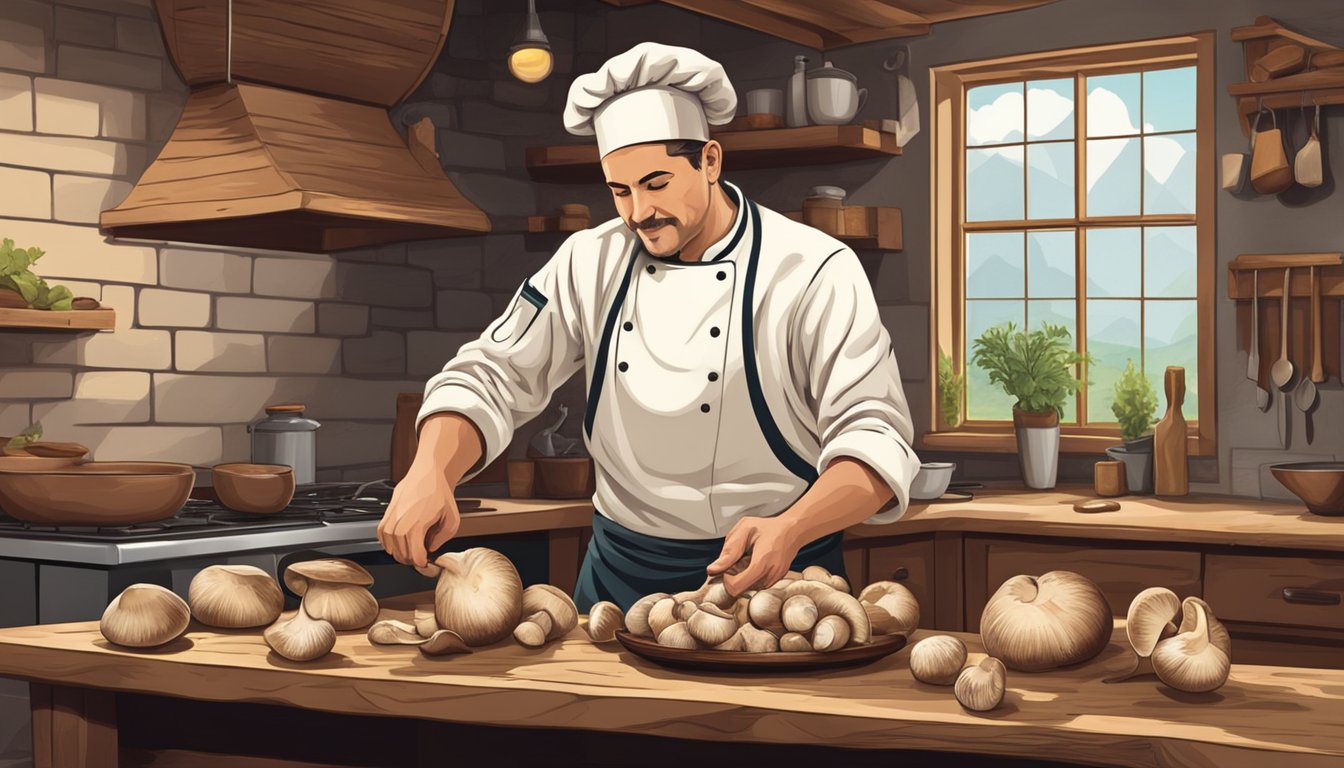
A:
(226, 688)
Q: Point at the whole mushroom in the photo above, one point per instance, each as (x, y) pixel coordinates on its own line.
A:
(980, 687)
(604, 619)
(548, 613)
(334, 590)
(637, 618)
(235, 597)
(1150, 619)
(1199, 658)
(479, 595)
(892, 608)
(145, 616)
(1038, 623)
(938, 660)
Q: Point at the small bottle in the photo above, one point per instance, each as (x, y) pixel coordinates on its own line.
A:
(1171, 475)
(795, 110)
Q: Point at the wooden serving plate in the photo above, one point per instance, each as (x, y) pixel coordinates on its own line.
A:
(742, 661)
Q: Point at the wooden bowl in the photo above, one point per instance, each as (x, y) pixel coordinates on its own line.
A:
(1319, 484)
(260, 489)
(100, 493)
(565, 477)
(761, 663)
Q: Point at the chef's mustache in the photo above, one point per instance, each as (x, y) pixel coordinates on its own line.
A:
(652, 222)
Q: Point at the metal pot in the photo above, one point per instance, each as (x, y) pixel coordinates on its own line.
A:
(833, 96)
(286, 437)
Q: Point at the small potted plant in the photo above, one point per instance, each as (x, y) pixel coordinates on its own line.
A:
(1036, 367)
(1134, 407)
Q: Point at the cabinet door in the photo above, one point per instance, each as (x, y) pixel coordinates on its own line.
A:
(1284, 591)
(1120, 571)
(910, 563)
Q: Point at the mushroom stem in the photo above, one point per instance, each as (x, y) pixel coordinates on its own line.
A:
(534, 630)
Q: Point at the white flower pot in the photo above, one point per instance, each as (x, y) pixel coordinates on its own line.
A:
(1037, 448)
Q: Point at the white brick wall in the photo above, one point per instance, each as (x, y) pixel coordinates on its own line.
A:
(278, 315)
(63, 153)
(16, 102)
(303, 354)
(295, 277)
(204, 270)
(25, 194)
(82, 253)
(35, 383)
(175, 309)
(80, 199)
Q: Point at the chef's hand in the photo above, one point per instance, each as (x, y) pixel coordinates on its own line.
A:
(773, 545)
(421, 517)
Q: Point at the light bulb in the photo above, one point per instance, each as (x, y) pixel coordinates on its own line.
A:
(531, 65)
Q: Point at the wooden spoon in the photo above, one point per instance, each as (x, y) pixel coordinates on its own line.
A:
(1282, 372)
(1253, 361)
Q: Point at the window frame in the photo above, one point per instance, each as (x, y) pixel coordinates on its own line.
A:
(948, 85)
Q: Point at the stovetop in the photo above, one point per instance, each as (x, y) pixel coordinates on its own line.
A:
(313, 506)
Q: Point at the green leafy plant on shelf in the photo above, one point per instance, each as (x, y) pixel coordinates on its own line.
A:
(1036, 367)
(951, 386)
(26, 438)
(16, 276)
(1135, 403)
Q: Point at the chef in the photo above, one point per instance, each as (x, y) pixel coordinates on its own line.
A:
(744, 405)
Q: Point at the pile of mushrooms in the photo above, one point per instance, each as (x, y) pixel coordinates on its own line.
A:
(811, 611)
(1195, 657)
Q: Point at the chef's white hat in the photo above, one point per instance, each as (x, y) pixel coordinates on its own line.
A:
(652, 92)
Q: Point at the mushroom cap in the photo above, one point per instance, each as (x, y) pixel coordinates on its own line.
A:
(604, 619)
(897, 601)
(799, 614)
(662, 615)
(793, 642)
(832, 633)
(764, 609)
(1218, 634)
(334, 570)
(1150, 618)
(1194, 660)
(980, 686)
(1037, 623)
(301, 637)
(145, 616)
(554, 602)
(937, 660)
(711, 625)
(479, 595)
(637, 618)
(677, 635)
(346, 606)
(235, 597)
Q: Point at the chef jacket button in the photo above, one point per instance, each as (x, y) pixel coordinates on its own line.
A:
(629, 326)
(722, 275)
(704, 408)
(623, 367)
(714, 331)
(652, 269)
(713, 376)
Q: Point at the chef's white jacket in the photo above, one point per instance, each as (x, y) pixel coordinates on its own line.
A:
(717, 389)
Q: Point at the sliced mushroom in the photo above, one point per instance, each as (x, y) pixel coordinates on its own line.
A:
(235, 597)
(444, 642)
(604, 619)
(301, 637)
(145, 616)
(548, 613)
(334, 590)
(439, 643)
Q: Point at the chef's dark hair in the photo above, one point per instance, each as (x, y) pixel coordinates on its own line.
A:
(689, 149)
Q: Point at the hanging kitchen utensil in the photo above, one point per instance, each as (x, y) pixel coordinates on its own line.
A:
(907, 102)
(1305, 395)
(1271, 172)
(1307, 164)
(1253, 361)
(1236, 165)
(1282, 372)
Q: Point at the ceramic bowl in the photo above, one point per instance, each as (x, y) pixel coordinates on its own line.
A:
(931, 480)
(1319, 484)
(100, 493)
(259, 489)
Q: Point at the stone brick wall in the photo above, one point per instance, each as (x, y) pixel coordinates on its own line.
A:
(206, 337)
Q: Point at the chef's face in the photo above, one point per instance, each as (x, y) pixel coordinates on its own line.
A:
(662, 197)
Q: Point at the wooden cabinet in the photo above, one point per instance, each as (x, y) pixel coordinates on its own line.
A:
(910, 563)
(1120, 570)
(1286, 591)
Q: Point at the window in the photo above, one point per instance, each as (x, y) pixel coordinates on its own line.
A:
(1076, 188)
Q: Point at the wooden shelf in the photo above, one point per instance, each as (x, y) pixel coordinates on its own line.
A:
(1241, 280)
(743, 150)
(1319, 86)
(41, 319)
(868, 227)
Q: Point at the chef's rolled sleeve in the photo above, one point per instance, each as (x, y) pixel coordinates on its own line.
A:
(505, 377)
(852, 381)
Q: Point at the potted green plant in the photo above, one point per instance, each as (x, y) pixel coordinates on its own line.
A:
(1134, 407)
(20, 288)
(1037, 368)
(951, 386)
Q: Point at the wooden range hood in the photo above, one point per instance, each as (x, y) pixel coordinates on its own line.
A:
(285, 141)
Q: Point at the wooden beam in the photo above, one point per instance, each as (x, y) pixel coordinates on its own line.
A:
(751, 17)
(951, 10)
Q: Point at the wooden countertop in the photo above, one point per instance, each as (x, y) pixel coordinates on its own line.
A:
(1285, 717)
(1222, 520)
